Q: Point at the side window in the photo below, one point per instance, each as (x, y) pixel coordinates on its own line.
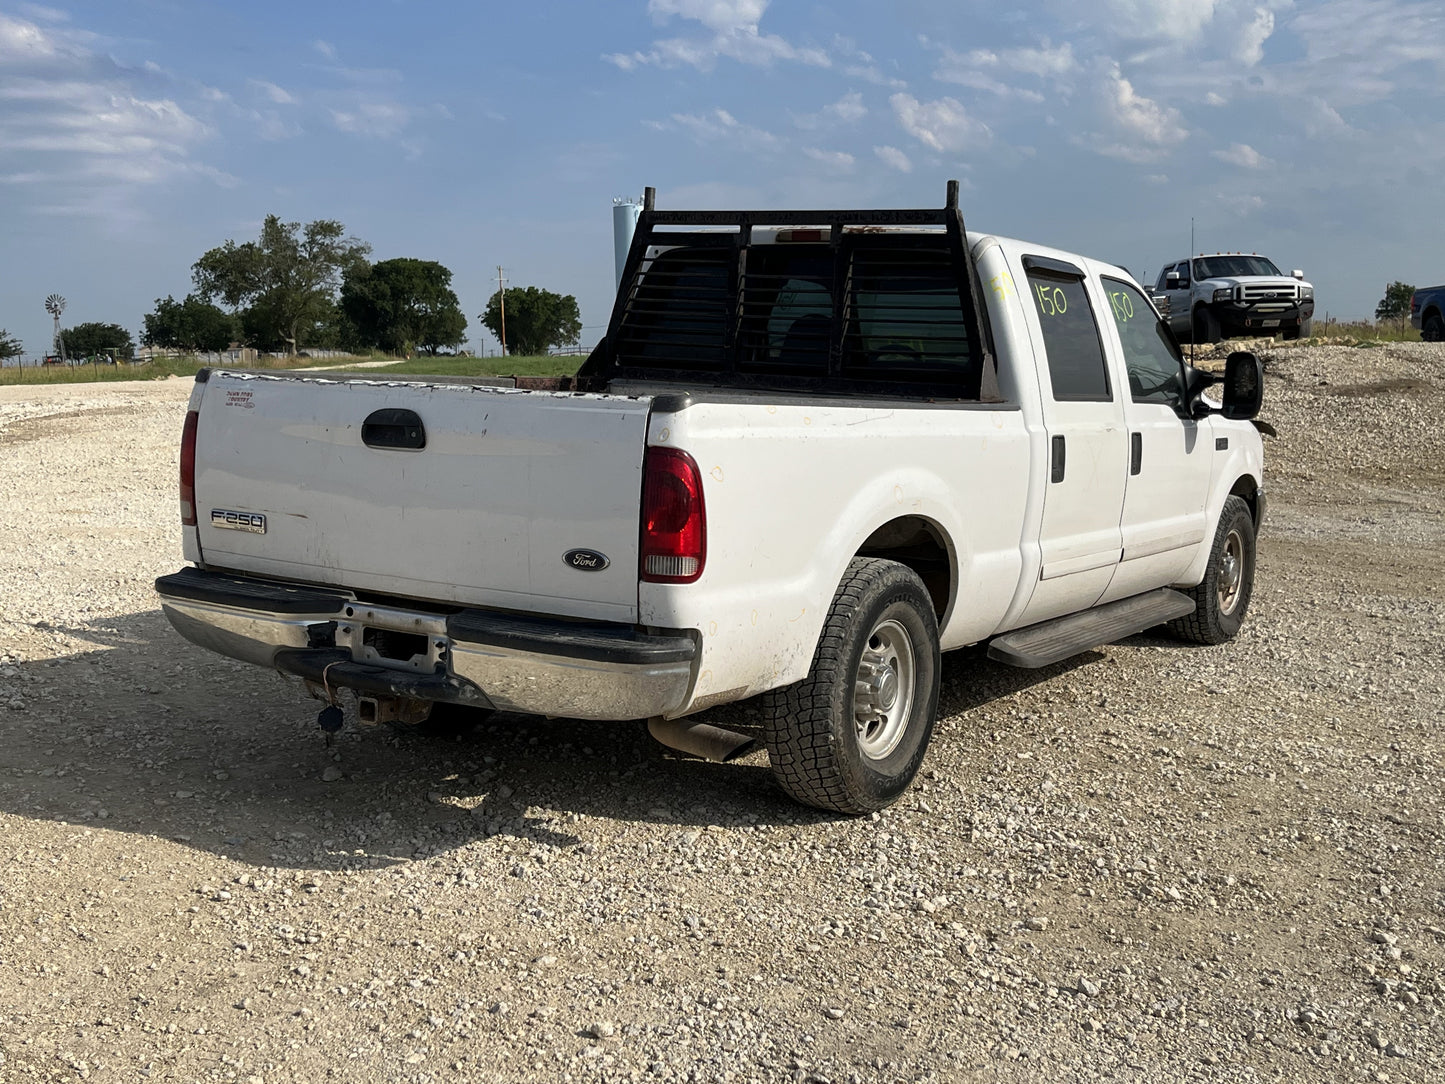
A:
(1156, 369)
(1077, 369)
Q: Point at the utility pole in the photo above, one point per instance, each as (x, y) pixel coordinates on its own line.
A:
(502, 304)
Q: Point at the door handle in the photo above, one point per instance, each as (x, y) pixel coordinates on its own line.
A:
(1057, 474)
(1136, 452)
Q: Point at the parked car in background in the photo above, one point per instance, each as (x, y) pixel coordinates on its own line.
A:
(1216, 297)
(1427, 313)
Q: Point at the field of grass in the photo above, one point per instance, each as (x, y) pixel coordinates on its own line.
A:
(1362, 331)
(187, 367)
(494, 366)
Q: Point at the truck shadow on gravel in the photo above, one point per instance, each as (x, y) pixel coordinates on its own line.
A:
(130, 729)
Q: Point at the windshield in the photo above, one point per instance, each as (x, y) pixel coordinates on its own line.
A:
(1219, 267)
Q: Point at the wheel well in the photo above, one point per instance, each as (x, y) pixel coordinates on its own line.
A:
(1246, 489)
(917, 543)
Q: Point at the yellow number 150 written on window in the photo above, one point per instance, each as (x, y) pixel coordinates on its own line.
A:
(1052, 301)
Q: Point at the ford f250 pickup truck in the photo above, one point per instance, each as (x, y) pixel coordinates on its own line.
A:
(814, 449)
(1210, 298)
(1427, 313)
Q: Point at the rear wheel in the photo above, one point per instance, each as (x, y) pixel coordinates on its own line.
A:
(1433, 329)
(851, 735)
(1222, 597)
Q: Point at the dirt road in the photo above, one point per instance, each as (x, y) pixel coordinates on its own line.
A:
(1154, 862)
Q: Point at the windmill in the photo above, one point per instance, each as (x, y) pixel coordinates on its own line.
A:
(55, 305)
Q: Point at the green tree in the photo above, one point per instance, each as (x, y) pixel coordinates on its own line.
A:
(1395, 305)
(192, 325)
(10, 347)
(284, 284)
(537, 319)
(404, 303)
(83, 340)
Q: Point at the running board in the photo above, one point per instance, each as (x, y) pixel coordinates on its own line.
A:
(1053, 641)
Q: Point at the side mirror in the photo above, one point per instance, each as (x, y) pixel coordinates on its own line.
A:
(1171, 280)
(1298, 274)
(1243, 386)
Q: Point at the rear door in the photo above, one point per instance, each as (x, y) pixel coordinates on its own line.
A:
(480, 506)
(1079, 539)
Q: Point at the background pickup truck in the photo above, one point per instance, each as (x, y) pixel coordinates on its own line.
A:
(1217, 297)
(1427, 313)
(814, 449)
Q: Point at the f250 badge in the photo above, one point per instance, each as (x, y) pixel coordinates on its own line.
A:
(585, 560)
(227, 520)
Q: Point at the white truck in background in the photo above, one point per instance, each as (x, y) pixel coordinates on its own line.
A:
(1229, 294)
(814, 450)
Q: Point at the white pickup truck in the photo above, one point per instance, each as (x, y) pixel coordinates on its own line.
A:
(1209, 298)
(814, 450)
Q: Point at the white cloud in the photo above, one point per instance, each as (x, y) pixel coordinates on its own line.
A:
(276, 94)
(839, 161)
(944, 125)
(1045, 62)
(721, 126)
(719, 15)
(733, 33)
(1139, 129)
(846, 110)
(1249, 44)
(893, 157)
(80, 120)
(1180, 20)
(1242, 155)
(376, 120)
(325, 48)
(858, 64)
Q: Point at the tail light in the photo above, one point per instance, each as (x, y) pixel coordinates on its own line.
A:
(674, 523)
(188, 470)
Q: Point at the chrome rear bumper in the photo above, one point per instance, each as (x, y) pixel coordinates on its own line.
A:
(536, 665)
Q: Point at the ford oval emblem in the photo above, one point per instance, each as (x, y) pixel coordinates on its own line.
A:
(585, 560)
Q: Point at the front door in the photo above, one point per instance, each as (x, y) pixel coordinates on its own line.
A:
(1170, 452)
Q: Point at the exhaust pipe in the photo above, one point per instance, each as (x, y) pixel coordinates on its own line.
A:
(701, 739)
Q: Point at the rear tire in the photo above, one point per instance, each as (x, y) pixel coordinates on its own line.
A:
(1433, 329)
(1222, 598)
(851, 735)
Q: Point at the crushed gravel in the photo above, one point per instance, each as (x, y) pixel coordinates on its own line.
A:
(1155, 861)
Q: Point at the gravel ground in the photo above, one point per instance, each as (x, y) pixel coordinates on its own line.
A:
(1155, 861)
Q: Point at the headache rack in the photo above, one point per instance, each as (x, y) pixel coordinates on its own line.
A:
(882, 302)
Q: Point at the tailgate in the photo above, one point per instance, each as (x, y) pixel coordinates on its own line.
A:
(506, 484)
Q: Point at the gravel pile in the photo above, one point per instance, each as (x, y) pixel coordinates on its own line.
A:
(1155, 861)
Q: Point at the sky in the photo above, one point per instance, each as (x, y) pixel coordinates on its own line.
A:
(137, 134)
